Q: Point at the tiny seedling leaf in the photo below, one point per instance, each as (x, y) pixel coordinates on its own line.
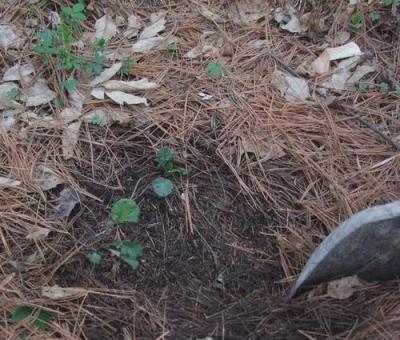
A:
(357, 20)
(163, 187)
(388, 2)
(384, 87)
(70, 84)
(96, 119)
(94, 257)
(215, 70)
(130, 252)
(13, 93)
(42, 319)
(124, 211)
(363, 87)
(374, 16)
(164, 157)
(21, 313)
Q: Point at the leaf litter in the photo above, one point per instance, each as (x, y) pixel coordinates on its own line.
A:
(18, 72)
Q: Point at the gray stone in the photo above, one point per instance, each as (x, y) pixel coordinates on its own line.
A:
(366, 245)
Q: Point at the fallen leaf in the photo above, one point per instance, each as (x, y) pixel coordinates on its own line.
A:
(121, 98)
(262, 148)
(107, 74)
(210, 45)
(247, 11)
(6, 182)
(98, 93)
(257, 43)
(205, 12)
(107, 116)
(322, 63)
(359, 73)
(341, 37)
(7, 101)
(8, 37)
(35, 120)
(105, 28)
(157, 26)
(56, 292)
(38, 233)
(294, 26)
(288, 20)
(46, 178)
(38, 94)
(205, 96)
(18, 71)
(129, 86)
(76, 99)
(293, 88)
(144, 45)
(8, 120)
(70, 138)
(134, 25)
(343, 288)
(66, 202)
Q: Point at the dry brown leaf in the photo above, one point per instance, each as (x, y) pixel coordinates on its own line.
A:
(38, 94)
(70, 138)
(211, 44)
(214, 17)
(343, 288)
(56, 292)
(108, 116)
(107, 74)
(144, 45)
(46, 178)
(134, 25)
(288, 20)
(6, 182)
(247, 11)
(98, 93)
(5, 100)
(38, 233)
(105, 28)
(263, 149)
(130, 86)
(66, 202)
(157, 25)
(18, 71)
(293, 88)
(122, 98)
(8, 37)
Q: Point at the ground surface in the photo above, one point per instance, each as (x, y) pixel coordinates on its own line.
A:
(268, 179)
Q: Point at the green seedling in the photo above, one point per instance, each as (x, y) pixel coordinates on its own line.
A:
(124, 211)
(97, 63)
(126, 66)
(70, 84)
(73, 16)
(94, 257)
(96, 119)
(130, 253)
(41, 317)
(163, 187)
(357, 20)
(165, 160)
(215, 70)
(390, 2)
(363, 87)
(172, 51)
(374, 16)
(12, 94)
(384, 87)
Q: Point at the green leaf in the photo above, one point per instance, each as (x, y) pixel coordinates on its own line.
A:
(94, 257)
(215, 70)
(164, 157)
(12, 94)
(124, 211)
(96, 119)
(162, 187)
(384, 87)
(20, 313)
(70, 84)
(79, 7)
(374, 16)
(388, 2)
(357, 20)
(363, 87)
(130, 252)
(171, 49)
(398, 88)
(177, 170)
(126, 65)
(42, 320)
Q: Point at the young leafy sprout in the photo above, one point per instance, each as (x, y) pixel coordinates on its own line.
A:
(165, 160)
(357, 20)
(40, 319)
(94, 257)
(163, 187)
(130, 253)
(215, 70)
(124, 211)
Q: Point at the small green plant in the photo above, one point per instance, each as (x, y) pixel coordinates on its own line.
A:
(130, 253)
(384, 87)
(163, 187)
(390, 2)
(374, 16)
(12, 94)
(94, 257)
(172, 51)
(398, 89)
(126, 66)
(357, 20)
(165, 160)
(96, 119)
(41, 316)
(363, 87)
(69, 84)
(97, 64)
(124, 211)
(73, 16)
(215, 70)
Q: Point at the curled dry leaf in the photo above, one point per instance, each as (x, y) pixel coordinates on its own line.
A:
(70, 138)
(6, 182)
(157, 25)
(98, 93)
(144, 45)
(288, 20)
(322, 63)
(9, 37)
(18, 71)
(208, 14)
(56, 292)
(39, 94)
(134, 26)
(105, 28)
(7, 101)
(247, 11)
(126, 98)
(8, 120)
(344, 288)
(108, 116)
(38, 233)
(262, 148)
(66, 202)
(107, 74)
(211, 44)
(129, 86)
(293, 88)
(46, 178)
